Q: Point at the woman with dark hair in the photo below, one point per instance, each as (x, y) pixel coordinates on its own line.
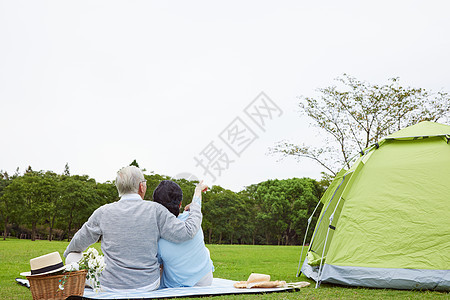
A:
(188, 263)
(169, 194)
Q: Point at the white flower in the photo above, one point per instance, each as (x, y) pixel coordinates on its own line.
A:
(72, 267)
(92, 252)
(91, 264)
(95, 264)
(61, 287)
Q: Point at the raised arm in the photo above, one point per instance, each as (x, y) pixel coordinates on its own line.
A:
(197, 198)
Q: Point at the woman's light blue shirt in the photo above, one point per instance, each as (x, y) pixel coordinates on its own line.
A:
(184, 264)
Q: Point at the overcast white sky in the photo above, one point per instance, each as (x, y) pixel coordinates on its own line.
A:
(98, 84)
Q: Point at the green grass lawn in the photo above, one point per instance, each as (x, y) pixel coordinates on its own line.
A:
(234, 262)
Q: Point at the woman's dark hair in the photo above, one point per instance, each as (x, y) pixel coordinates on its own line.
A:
(169, 194)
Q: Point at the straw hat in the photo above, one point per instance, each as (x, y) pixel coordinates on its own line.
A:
(256, 280)
(45, 264)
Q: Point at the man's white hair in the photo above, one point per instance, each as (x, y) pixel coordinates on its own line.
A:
(128, 179)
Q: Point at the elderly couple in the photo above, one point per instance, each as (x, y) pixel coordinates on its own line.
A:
(138, 236)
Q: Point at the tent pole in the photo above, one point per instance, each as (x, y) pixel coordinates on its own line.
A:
(304, 239)
(301, 250)
(323, 253)
(325, 245)
(320, 221)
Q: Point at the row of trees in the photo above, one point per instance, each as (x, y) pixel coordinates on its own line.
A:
(39, 199)
(56, 205)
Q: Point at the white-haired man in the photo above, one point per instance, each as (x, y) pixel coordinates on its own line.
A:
(130, 229)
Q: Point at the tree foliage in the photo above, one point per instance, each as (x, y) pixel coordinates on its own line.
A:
(37, 202)
(7, 207)
(79, 198)
(134, 163)
(30, 194)
(226, 216)
(285, 205)
(356, 114)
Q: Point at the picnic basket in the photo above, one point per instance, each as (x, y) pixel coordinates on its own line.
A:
(47, 286)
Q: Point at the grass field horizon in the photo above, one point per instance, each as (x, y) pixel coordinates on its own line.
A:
(234, 262)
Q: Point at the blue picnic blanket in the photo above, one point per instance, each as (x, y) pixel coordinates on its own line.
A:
(218, 287)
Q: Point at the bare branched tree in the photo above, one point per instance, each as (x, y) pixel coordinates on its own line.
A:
(356, 114)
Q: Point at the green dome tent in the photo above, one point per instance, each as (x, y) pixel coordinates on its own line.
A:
(385, 222)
